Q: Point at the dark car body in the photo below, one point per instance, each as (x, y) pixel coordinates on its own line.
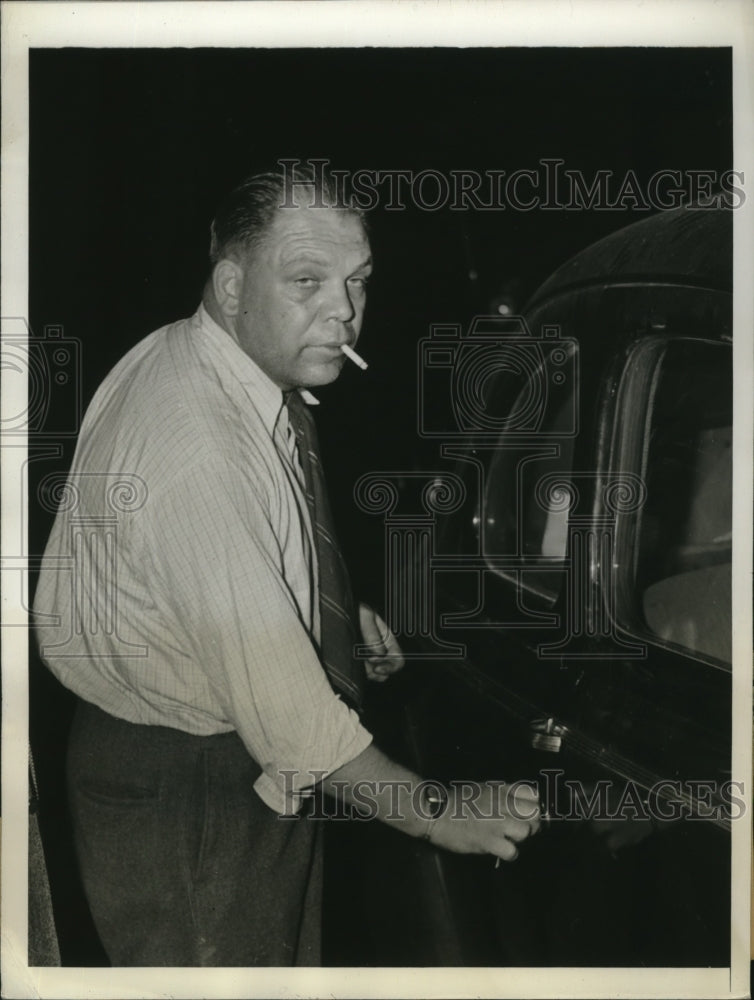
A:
(564, 598)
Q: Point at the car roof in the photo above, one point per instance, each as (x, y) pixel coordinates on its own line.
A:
(684, 246)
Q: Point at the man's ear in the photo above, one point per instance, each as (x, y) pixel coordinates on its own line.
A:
(227, 279)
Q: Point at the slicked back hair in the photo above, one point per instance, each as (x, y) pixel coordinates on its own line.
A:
(244, 217)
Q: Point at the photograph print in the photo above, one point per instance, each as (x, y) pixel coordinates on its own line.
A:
(378, 508)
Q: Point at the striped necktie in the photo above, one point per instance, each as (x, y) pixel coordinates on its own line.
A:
(336, 604)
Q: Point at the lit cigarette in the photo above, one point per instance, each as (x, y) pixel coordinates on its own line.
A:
(350, 353)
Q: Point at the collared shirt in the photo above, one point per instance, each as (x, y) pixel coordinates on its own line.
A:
(178, 586)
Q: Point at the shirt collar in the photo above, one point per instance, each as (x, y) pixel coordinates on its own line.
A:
(239, 367)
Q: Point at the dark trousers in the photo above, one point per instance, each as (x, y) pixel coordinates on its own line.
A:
(182, 863)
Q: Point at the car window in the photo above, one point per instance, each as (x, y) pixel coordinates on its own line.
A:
(674, 554)
(528, 490)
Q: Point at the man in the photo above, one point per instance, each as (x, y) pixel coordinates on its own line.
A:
(206, 632)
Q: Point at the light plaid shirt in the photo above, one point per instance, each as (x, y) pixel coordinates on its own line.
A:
(178, 586)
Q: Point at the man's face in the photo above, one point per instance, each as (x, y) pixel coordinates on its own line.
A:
(303, 294)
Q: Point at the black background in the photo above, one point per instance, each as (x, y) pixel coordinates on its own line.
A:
(130, 150)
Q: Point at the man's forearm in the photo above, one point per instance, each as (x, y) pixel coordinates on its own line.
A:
(391, 789)
(493, 821)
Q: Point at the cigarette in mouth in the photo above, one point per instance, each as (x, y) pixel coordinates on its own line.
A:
(357, 360)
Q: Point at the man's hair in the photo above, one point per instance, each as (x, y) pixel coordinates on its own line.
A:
(243, 218)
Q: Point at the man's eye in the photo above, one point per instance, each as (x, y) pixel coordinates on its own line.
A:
(306, 281)
(359, 282)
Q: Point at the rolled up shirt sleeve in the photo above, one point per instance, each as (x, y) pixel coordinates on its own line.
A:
(211, 545)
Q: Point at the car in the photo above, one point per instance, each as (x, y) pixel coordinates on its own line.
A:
(561, 583)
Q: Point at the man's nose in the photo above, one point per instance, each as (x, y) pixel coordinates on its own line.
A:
(340, 305)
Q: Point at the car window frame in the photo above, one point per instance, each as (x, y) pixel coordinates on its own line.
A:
(539, 444)
(629, 439)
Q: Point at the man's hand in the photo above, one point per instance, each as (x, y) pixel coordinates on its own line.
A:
(494, 821)
(488, 817)
(386, 657)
